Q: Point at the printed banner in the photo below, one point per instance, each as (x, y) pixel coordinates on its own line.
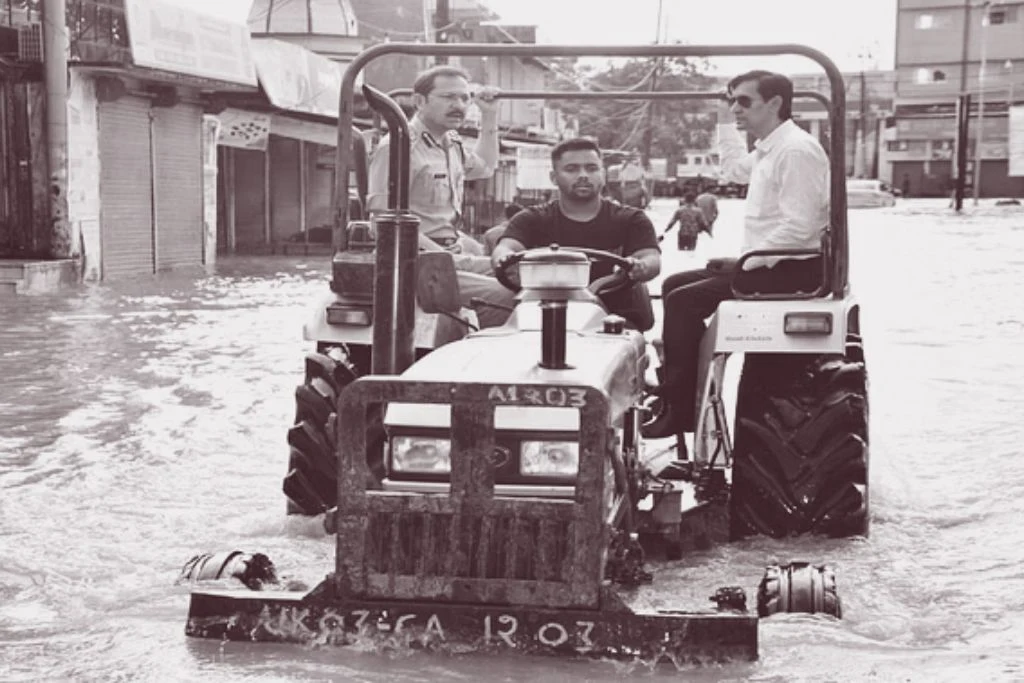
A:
(180, 40)
(296, 79)
(1016, 144)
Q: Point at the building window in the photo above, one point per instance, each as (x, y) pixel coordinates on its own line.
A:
(897, 145)
(942, 145)
(924, 75)
(1005, 15)
(927, 22)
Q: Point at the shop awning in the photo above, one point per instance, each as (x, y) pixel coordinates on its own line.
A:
(310, 131)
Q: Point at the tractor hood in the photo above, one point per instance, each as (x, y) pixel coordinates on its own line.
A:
(613, 363)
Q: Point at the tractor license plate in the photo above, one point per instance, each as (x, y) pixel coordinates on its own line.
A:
(246, 615)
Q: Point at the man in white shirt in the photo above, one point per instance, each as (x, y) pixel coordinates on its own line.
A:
(786, 208)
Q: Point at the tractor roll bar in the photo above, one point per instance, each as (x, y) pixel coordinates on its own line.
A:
(674, 95)
(398, 159)
(836, 249)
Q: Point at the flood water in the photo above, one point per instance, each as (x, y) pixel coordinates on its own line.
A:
(144, 422)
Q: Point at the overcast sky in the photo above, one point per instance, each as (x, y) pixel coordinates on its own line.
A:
(842, 29)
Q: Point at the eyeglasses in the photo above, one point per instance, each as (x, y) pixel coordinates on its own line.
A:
(744, 101)
(452, 98)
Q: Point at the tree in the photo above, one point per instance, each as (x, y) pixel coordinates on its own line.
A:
(619, 124)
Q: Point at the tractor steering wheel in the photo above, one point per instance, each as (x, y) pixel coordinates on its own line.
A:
(603, 285)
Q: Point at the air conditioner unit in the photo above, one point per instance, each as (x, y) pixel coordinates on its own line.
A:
(30, 43)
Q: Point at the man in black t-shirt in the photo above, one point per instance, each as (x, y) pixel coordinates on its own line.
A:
(580, 217)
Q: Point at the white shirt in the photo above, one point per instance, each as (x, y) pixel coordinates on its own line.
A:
(788, 188)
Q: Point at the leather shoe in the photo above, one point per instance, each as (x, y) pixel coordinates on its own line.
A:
(655, 389)
(660, 388)
(663, 426)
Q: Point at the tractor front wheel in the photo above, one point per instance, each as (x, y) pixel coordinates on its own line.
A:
(311, 484)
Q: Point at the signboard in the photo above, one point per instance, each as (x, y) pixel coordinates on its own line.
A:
(243, 129)
(164, 36)
(1016, 145)
(659, 169)
(948, 109)
(533, 168)
(297, 79)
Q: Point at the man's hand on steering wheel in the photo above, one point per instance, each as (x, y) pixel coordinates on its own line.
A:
(506, 274)
(636, 270)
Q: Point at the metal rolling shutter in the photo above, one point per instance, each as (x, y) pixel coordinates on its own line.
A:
(177, 139)
(126, 203)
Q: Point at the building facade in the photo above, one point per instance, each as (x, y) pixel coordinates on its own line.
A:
(941, 47)
(140, 140)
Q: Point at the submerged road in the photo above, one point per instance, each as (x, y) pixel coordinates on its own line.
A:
(143, 422)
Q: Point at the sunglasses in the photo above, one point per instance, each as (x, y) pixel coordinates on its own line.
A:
(744, 101)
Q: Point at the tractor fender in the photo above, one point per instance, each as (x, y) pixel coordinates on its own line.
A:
(431, 330)
(758, 326)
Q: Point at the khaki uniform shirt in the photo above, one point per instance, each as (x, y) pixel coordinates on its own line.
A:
(437, 171)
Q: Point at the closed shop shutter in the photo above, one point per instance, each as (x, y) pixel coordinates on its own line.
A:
(126, 201)
(177, 139)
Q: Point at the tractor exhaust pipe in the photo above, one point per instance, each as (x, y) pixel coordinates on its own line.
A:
(394, 304)
(552, 334)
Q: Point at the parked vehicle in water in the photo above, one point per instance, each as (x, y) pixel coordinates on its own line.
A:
(865, 193)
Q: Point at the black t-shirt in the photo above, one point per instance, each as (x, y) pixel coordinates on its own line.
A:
(619, 229)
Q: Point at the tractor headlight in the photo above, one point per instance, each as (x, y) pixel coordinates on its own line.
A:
(420, 454)
(549, 458)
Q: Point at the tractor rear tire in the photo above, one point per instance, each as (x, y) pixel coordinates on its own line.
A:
(311, 484)
(800, 462)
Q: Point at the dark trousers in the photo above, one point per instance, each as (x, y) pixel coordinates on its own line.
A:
(691, 297)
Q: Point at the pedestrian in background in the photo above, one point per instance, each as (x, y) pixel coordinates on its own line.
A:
(691, 222)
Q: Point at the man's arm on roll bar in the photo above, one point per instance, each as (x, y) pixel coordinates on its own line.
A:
(486, 149)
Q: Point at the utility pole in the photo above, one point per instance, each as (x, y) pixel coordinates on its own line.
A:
(442, 22)
(55, 59)
(863, 120)
(979, 137)
(648, 137)
(963, 118)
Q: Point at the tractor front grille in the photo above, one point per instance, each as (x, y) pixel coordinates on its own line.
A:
(489, 546)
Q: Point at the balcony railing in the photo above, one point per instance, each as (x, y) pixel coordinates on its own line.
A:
(98, 31)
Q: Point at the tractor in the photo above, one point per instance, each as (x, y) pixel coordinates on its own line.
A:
(491, 487)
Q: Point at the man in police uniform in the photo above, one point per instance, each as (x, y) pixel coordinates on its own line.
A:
(439, 166)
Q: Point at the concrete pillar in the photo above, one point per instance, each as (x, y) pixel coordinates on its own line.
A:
(55, 57)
